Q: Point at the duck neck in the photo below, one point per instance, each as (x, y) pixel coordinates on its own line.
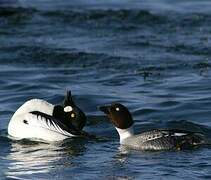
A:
(125, 133)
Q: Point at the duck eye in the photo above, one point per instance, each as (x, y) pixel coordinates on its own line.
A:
(117, 108)
(72, 115)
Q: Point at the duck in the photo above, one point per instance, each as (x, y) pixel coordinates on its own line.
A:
(40, 120)
(156, 139)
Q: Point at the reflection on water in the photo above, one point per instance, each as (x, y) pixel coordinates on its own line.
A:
(27, 158)
(30, 159)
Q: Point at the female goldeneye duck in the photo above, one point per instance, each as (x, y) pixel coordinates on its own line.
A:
(159, 139)
(39, 120)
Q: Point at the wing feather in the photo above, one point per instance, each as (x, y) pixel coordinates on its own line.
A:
(53, 124)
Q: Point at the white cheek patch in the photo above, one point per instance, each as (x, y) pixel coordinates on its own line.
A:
(68, 109)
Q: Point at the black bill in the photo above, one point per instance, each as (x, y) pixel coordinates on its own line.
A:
(104, 109)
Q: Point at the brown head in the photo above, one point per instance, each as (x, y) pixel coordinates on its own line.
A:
(118, 114)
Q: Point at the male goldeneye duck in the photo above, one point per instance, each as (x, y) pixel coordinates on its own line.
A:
(159, 139)
(39, 120)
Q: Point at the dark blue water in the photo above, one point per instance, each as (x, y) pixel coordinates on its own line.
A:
(152, 56)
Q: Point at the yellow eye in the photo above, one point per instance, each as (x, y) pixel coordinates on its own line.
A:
(72, 115)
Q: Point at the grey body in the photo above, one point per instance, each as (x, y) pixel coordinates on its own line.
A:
(164, 140)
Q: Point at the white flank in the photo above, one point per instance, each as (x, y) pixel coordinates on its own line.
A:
(35, 105)
(35, 127)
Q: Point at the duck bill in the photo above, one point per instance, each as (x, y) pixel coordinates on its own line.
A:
(105, 109)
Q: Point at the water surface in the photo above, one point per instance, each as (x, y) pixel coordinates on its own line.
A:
(154, 57)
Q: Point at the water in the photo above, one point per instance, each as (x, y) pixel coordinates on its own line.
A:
(154, 57)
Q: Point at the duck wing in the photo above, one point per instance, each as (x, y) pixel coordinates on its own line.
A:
(49, 122)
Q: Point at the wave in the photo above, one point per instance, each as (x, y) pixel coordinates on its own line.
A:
(137, 16)
(31, 56)
(16, 11)
(45, 55)
(121, 15)
(127, 18)
(86, 16)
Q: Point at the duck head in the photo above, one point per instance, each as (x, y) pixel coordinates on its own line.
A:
(118, 114)
(73, 113)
